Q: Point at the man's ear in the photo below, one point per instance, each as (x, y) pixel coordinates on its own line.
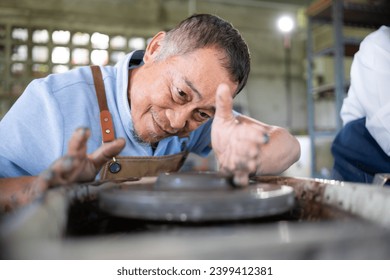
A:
(154, 47)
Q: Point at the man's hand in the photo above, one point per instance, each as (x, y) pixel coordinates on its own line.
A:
(236, 141)
(75, 166)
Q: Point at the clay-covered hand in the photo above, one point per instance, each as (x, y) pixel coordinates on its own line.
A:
(76, 165)
(237, 142)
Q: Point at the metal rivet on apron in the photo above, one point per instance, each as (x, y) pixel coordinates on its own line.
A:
(105, 119)
(114, 166)
(108, 131)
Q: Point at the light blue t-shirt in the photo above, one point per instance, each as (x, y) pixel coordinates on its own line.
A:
(36, 130)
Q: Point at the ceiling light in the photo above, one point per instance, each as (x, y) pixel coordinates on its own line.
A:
(286, 24)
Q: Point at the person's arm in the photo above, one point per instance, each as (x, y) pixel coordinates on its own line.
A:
(245, 146)
(16, 192)
(76, 166)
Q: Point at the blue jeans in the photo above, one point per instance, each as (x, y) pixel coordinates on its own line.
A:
(349, 172)
(357, 156)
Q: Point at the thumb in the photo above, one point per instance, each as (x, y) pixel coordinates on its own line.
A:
(105, 152)
(224, 103)
(241, 179)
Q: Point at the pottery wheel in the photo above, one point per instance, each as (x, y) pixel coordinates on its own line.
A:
(196, 197)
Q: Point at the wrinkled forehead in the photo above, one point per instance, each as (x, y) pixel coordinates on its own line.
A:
(206, 66)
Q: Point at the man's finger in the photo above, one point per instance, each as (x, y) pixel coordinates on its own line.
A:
(241, 179)
(107, 151)
(224, 103)
(78, 140)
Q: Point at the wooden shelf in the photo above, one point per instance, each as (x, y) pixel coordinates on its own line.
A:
(355, 14)
(349, 50)
(328, 90)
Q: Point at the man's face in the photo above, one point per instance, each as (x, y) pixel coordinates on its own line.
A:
(176, 95)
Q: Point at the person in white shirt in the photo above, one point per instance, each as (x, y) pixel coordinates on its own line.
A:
(362, 147)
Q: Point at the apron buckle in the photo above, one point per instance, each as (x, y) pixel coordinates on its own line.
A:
(114, 166)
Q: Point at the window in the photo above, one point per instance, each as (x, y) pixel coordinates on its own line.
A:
(28, 52)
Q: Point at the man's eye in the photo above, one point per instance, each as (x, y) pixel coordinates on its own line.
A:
(203, 115)
(181, 93)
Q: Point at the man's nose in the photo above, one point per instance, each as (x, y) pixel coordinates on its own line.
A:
(177, 118)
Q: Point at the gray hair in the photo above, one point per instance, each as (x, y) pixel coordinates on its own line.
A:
(205, 30)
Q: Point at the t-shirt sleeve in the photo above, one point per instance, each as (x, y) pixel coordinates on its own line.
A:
(369, 94)
(31, 136)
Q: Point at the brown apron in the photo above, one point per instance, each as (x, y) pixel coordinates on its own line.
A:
(129, 166)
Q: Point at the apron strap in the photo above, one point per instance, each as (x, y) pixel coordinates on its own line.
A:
(129, 166)
(108, 133)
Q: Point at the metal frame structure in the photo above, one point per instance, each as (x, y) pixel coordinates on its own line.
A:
(337, 13)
